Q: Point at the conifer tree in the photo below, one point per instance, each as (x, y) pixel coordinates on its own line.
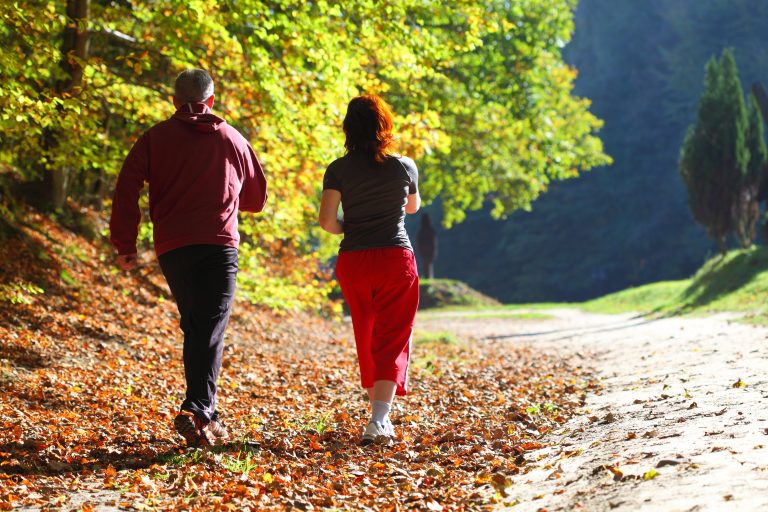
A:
(749, 204)
(714, 156)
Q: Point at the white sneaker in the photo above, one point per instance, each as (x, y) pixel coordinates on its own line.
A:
(389, 428)
(375, 433)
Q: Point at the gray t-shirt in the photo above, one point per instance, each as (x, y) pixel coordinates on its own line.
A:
(373, 199)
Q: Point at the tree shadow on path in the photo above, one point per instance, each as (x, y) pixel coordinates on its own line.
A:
(33, 458)
(569, 333)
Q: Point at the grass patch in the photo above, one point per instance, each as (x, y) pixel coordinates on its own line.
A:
(432, 348)
(318, 423)
(243, 463)
(19, 292)
(654, 297)
(183, 459)
(430, 337)
(427, 364)
(438, 293)
(737, 282)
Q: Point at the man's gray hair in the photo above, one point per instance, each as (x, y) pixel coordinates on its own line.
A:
(192, 86)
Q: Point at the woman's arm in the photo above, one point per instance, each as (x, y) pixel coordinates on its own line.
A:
(329, 210)
(413, 204)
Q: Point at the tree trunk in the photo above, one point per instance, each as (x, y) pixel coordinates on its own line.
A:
(74, 53)
(721, 245)
(762, 102)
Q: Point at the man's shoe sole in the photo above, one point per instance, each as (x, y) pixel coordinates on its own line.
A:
(185, 426)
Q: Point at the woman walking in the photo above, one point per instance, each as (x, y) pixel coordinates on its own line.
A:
(376, 267)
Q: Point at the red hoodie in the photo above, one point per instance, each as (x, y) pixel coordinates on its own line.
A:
(200, 171)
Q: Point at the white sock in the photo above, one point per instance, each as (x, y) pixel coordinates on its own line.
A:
(380, 411)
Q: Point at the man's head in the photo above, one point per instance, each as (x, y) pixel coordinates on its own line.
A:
(193, 86)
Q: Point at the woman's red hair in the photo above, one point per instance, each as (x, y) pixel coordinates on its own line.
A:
(368, 127)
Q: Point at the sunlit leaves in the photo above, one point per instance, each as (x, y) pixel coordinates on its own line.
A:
(91, 378)
(482, 97)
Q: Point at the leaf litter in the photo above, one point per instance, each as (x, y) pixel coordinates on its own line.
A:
(91, 375)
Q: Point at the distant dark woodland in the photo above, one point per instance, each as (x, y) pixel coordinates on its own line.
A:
(642, 65)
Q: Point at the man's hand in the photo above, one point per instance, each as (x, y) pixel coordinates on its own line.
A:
(127, 261)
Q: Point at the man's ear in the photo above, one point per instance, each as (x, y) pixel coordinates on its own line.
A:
(209, 101)
(176, 103)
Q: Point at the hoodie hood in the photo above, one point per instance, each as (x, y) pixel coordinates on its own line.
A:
(200, 117)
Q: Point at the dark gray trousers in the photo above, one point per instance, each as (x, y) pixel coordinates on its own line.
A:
(202, 280)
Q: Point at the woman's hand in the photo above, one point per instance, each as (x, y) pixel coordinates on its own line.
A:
(329, 211)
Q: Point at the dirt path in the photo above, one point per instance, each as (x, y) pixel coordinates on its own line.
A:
(681, 422)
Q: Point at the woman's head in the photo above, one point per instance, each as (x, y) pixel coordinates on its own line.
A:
(368, 127)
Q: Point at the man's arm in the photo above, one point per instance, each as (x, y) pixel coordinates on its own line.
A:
(124, 222)
(329, 209)
(253, 195)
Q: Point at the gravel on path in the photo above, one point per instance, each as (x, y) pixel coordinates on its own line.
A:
(679, 424)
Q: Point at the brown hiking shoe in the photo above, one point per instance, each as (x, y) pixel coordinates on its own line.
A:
(191, 429)
(216, 432)
(197, 433)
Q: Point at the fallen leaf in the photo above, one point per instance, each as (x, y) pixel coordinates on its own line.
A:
(433, 505)
(650, 474)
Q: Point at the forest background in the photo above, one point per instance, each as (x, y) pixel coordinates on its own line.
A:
(642, 65)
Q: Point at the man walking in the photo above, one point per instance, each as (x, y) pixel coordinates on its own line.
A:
(201, 172)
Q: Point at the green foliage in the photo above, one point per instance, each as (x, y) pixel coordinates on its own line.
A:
(187, 458)
(714, 158)
(19, 292)
(533, 409)
(484, 102)
(243, 463)
(513, 124)
(318, 422)
(68, 279)
(755, 140)
(650, 474)
(723, 159)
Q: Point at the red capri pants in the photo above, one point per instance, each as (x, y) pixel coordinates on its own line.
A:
(381, 287)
